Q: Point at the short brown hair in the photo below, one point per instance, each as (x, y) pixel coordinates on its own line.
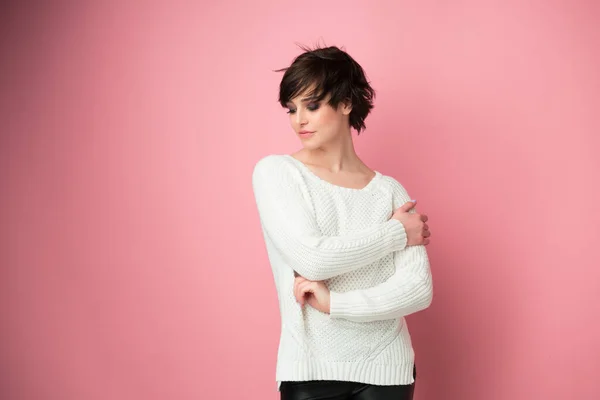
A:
(329, 70)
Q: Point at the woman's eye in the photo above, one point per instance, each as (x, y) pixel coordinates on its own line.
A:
(313, 106)
(290, 111)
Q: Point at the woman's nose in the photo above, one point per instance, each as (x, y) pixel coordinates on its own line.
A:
(300, 118)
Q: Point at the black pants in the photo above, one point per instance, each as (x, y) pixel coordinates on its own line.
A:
(338, 390)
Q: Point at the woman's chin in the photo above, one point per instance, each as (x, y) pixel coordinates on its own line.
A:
(308, 145)
(310, 142)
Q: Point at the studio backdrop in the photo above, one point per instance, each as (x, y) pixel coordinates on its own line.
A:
(131, 258)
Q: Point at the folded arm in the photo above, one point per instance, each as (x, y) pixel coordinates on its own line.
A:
(288, 221)
(409, 290)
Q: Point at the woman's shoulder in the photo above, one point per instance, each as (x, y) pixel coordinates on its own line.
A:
(275, 166)
(389, 179)
(270, 161)
(397, 189)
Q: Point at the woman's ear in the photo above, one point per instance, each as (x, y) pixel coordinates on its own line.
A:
(346, 107)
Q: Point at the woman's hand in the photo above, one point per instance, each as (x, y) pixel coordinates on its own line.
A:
(417, 231)
(316, 294)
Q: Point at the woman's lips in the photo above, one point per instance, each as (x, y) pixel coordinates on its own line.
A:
(305, 133)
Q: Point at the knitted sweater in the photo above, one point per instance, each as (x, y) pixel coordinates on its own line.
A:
(345, 237)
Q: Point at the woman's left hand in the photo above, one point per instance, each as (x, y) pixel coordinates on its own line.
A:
(315, 293)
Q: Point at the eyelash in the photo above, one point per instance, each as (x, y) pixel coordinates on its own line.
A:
(311, 107)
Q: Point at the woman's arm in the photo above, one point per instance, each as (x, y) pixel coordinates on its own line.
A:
(409, 290)
(288, 221)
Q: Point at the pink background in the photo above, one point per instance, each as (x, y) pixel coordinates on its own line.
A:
(132, 262)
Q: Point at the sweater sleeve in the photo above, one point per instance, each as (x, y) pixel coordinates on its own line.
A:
(288, 220)
(408, 290)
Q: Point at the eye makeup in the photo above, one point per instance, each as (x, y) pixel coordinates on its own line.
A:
(310, 107)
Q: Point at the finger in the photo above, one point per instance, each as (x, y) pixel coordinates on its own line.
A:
(297, 293)
(408, 205)
(424, 218)
(426, 242)
(296, 290)
(306, 287)
(304, 282)
(426, 234)
(425, 227)
(308, 290)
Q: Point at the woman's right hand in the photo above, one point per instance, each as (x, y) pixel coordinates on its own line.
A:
(417, 231)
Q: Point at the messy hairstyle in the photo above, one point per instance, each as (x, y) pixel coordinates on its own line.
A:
(329, 70)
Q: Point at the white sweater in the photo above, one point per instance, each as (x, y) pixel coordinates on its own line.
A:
(347, 238)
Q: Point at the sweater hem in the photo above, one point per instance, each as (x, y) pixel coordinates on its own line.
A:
(362, 372)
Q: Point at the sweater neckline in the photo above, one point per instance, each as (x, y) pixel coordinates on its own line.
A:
(324, 182)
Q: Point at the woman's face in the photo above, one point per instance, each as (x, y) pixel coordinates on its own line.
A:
(317, 123)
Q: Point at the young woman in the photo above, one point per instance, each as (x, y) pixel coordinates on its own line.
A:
(345, 244)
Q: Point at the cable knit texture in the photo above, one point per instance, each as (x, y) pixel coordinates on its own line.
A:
(347, 238)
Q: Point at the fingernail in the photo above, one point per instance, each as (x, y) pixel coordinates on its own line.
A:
(414, 201)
